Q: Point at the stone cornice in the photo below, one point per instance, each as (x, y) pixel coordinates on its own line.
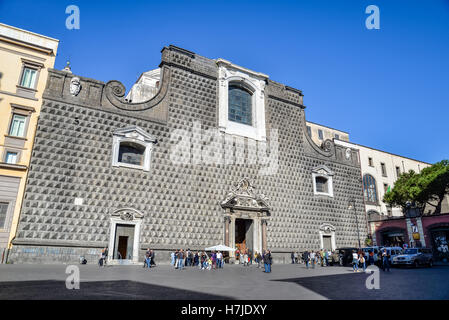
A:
(18, 167)
(286, 101)
(27, 45)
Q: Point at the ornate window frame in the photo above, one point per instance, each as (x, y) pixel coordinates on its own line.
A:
(323, 172)
(135, 135)
(255, 82)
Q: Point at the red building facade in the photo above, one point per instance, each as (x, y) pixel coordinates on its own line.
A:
(431, 231)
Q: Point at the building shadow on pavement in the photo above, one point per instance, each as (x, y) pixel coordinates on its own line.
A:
(393, 286)
(97, 290)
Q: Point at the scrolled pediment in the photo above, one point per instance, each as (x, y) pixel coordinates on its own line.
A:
(327, 228)
(128, 214)
(243, 197)
(135, 133)
(323, 170)
(115, 93)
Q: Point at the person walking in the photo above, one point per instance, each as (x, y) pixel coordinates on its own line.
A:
(106, 253)
(152, 261)
(188, 257)
(196, 259)
(245, 258)
(258, 259)
(322, 257)
(267, 261)
(385, 260)
(192, 259)
(181, 259)
(371, 257)
(355, 262)
(201, 260)
(172, 258)
(270, 261)
(362, 260)
(305, 257)
(204, 260)
(219, 256)
(176, 259)
(312, 258)
(148, 258)
(214, 260)
(101, 260)
(292, 256)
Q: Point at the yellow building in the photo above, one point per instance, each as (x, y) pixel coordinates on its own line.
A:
(24, 60)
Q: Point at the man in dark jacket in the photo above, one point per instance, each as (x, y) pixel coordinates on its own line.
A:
(267, 261)
(147, 259)
(305, 257)
(152, 262)
(181, 255)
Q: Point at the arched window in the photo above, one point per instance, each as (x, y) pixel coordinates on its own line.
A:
(131, 153)
(369, 189)
(239, 105)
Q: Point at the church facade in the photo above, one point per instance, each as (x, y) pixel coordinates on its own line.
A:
(218, 155)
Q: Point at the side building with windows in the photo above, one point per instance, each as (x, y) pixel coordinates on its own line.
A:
(389, 225)
(218, 155)
(25, 58)
(320, 133)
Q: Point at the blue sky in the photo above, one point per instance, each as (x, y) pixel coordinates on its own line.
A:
(388, 88)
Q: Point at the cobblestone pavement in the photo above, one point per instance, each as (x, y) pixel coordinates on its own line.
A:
(286, 282)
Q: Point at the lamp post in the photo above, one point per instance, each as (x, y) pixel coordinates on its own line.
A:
(351, 205)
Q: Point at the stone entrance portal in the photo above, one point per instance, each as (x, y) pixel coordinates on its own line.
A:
(245, 219)
(124, 237)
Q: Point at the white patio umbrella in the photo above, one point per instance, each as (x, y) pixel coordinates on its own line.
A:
(220, 247)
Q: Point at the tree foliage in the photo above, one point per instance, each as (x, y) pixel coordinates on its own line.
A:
(428, 187)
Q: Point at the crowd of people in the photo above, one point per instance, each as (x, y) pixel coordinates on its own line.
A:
(246, 258)
(359, 259)
(312, 258)
(187, 258)
(181, 259)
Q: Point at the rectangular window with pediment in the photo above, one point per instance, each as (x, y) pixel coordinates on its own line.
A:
(322, 181)
(132, 148)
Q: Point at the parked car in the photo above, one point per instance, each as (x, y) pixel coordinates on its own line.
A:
(414, 257)
(393, 252)
(345, 255)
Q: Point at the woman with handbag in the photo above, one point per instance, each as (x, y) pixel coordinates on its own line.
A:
(362, 261)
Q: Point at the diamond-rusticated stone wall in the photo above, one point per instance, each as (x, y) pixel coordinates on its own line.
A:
(181, 203)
